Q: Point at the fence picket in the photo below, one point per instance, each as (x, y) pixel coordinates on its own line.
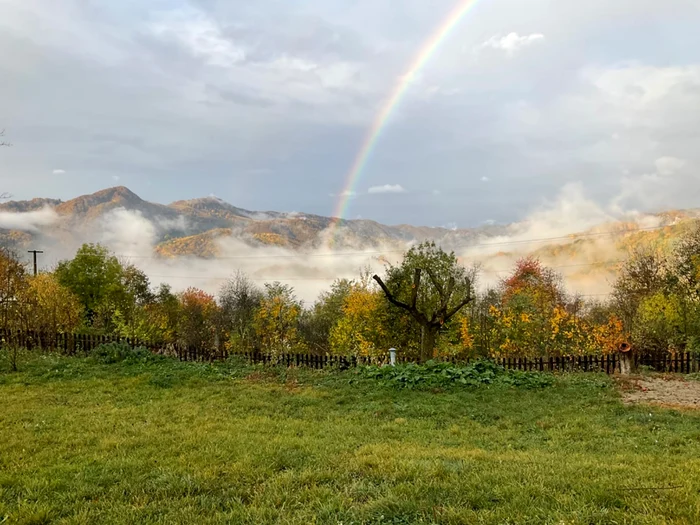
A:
(84, 344)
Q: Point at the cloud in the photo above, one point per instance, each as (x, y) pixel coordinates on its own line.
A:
(511, 43)
(31, 221)
(200, 35)
(295, 90)
(59, 172)
(667, 166)
(387, 188)
(485, 179)
(436, 192)
(670, 183)
(116, 178)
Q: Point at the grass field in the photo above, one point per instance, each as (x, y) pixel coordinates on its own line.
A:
(169, 442)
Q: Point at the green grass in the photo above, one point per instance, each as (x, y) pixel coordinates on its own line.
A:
(158, 441)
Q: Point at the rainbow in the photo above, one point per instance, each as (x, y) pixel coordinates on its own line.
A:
(427, 51)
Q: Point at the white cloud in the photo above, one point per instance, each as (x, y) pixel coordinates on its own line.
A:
(387, 188)
(485, 179)
(667, 166)
(512, 42)
(115, 178)
(201, 36)
(669, 185)
(59, 172)
(28, 221)
(436, 192)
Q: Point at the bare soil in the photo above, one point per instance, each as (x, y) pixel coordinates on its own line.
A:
(666, 391)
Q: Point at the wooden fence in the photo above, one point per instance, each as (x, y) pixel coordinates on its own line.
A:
(83, 344)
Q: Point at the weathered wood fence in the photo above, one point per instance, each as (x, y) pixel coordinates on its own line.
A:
(83, 344)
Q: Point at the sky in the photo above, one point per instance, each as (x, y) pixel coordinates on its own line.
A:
(266, 104)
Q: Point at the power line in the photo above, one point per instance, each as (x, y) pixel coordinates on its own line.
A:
(572, 237)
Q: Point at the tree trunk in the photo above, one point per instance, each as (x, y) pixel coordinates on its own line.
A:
(427, 342)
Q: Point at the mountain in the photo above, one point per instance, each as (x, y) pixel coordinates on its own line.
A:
(194, 227)
(208, 228)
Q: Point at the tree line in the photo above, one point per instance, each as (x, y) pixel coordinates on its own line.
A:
(426, 306)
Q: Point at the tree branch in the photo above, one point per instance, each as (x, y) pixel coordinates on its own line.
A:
(435, 282)
(389, 295)
(418, 316)
(416, 284)
(448, 293)
(2, 142)
(457, 308)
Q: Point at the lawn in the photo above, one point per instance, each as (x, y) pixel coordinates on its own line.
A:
(161, 441)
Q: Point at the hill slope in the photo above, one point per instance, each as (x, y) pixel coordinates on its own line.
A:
(192, 227)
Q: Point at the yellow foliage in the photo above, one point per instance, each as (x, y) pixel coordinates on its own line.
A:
(50, 306)
(466, 336)
(276, 323)
(362, 329)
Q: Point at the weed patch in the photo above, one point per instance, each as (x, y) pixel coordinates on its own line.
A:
(446, 376)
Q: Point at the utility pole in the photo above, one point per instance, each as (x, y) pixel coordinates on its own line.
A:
(35, 252)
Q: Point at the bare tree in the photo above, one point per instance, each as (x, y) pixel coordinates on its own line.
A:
(2, 142)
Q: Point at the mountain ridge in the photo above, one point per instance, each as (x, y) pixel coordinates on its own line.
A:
(191, 227)
(196, 227)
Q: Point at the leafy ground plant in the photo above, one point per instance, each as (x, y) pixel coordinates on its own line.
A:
(448, 376)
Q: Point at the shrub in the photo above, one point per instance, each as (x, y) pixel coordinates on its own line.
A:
(446, 375)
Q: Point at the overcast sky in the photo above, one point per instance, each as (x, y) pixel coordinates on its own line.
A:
(265, 104)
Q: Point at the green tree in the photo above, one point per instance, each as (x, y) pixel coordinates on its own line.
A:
(430, 302)
(317, 322)
(642, 275)
(127, 307)
(95, 277)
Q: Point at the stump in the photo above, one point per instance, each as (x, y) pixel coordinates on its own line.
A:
(625, 356)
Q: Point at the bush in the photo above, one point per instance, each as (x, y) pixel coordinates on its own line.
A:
(446, 375)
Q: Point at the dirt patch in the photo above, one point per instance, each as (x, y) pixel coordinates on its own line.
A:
(672, 392)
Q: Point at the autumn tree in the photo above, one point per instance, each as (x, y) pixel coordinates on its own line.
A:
(277, 319)
(240, 300)
(197, 326)
(431, 302)
(158, 320)
(13, 283)
(363, 328)
(317, 322)
(51, 307)
(534, 317)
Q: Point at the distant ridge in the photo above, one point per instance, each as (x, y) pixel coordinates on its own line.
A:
(195, 228)
(192, 227)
